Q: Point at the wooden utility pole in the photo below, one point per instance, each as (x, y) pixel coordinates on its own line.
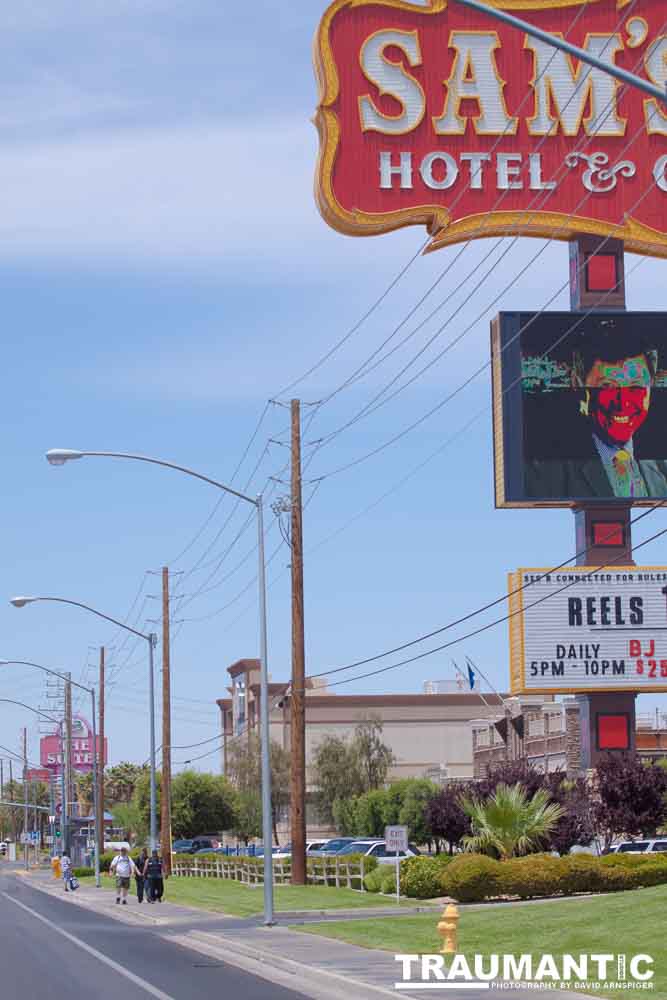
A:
(165, 789)
(297, 698)
(99, 818)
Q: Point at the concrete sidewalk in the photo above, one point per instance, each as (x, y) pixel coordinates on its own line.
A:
(322, 968)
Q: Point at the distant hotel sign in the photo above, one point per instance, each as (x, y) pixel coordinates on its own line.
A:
(583, 629)
(50, 748)
(433, 114)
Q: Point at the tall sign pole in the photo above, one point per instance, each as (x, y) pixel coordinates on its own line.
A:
(297, 700)
(165, 791)
(602, 533)
(99, 818)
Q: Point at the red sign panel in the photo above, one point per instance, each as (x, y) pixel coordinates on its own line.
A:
(434, 114)
(51, 750)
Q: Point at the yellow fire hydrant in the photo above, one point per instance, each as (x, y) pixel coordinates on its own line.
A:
(55, 865)
(448, 930)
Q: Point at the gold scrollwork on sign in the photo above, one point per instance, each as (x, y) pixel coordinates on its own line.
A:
(638, 238)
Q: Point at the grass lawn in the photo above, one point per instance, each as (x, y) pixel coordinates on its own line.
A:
(227, 896)
(626, 922)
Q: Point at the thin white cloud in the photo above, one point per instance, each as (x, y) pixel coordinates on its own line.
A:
(193, 196)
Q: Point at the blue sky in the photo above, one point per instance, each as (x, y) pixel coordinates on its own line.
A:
(163, 272)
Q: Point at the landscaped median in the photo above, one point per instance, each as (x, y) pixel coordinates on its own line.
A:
(630, 923)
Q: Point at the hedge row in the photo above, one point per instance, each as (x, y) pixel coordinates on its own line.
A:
(472, 878)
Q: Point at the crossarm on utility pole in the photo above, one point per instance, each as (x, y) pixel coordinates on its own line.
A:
(559, 43)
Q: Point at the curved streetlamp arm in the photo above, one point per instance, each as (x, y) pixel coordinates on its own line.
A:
(47, 670)
(94, 611)
(167, 465)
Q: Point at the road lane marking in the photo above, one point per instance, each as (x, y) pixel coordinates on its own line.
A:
(153, 990)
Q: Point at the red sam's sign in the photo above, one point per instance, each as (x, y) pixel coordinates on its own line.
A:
(434, 114)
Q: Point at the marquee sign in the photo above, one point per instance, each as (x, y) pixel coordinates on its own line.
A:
(433, 114)
(583, 629)
(51, 750)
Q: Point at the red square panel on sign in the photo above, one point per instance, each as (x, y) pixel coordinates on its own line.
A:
(608, 533)
(601, 272)
(613, 732)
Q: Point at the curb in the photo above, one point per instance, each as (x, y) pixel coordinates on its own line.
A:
(230, 948)
(360, 912)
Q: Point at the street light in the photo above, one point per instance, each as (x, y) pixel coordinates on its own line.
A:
(59, 456)
(91, 692)
(37, 711)
(151, 639)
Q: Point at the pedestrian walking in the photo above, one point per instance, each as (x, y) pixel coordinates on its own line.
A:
(67, 871)
(123, 867)
(139, 874)
(153, 874)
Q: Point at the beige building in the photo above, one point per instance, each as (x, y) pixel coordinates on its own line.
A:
(430, 734)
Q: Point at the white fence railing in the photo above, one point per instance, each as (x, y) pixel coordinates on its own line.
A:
(324, 871)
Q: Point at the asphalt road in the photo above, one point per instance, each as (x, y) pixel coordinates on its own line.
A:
(104, 958)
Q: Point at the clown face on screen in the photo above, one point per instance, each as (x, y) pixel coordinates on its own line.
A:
(618, 398)
(590, 428)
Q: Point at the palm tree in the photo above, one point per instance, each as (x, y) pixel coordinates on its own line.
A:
(509, 823)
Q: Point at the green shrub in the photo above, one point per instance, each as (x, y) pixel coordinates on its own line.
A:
(373, 880)
(83, 872)
(581, 873)
(616, 879)
(632, 860)
(534, 875)
(388, 879)
(471, 878)
(421, 878)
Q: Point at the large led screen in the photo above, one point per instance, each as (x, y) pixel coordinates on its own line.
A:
(580, 408)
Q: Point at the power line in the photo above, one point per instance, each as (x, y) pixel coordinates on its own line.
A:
(477, 611)
(489, 625)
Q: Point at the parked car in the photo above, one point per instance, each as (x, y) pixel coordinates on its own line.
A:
(204, 843)
(332, 846)
(286, 852)
(181, 847)
(377, 849)
(654, 846)
(210, 850)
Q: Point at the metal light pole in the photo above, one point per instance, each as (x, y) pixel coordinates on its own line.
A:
(91, 692)
(59, 456)
(151, 639)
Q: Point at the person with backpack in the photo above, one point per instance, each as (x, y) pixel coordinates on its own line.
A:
(139, 875)
(67, 872)
(153, 873)
(123, 867)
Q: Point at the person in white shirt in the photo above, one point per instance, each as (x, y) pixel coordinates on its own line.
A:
(123, 867)
(66, 868)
